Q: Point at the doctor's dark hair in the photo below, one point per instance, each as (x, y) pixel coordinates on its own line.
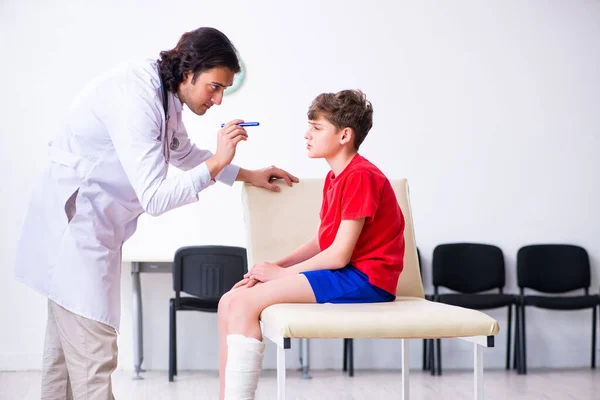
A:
(197, 51)
(345, 109)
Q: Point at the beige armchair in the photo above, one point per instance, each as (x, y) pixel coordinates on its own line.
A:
(277, 223)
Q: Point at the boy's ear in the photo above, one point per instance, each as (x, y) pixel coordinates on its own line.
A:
(346, 136)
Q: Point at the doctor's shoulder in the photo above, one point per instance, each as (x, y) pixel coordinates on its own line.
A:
(139, 75)
(131, 80)
(126, 86)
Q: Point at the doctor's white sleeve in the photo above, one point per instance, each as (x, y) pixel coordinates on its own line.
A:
(134, 125)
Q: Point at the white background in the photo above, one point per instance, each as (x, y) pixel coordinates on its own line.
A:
(490, 109)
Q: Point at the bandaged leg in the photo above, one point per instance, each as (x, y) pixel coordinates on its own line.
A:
(244, 363)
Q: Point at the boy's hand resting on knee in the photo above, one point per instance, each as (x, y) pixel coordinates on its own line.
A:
(266, 271)
(247, 282)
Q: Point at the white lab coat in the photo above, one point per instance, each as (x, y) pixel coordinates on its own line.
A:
(110, 159)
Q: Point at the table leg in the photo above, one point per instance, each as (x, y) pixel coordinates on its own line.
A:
(138, 338)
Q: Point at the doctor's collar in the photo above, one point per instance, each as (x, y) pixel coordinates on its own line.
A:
(177, 103)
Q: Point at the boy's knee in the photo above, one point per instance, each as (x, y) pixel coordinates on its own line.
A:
(240, 304)
(224, 301)
(229, 300)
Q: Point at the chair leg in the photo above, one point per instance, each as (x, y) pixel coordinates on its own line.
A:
(516, 347)
(523, 342)
(431, 353)
(305, 359)
(175, 343)
(405, 370)
(594, 319)
(172, 338)
(508, 333)
(425, 356)
(439, 357)
(345, 355)
(478, 369)
(350, 357)
(280, 373)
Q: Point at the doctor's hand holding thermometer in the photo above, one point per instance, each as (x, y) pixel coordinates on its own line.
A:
(228, 138)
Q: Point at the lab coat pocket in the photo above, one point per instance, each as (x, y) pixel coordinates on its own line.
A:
(80, 165)
(110, 220)
(67, 172)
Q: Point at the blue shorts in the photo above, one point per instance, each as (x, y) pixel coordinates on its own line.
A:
(345, 285)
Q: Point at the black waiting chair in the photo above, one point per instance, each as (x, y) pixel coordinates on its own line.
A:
(349, 343)
(553, 269)
(470, 269)
(205, 272)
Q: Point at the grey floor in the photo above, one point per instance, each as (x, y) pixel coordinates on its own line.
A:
(580, 384)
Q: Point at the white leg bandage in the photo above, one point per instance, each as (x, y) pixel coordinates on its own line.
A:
(244, 363)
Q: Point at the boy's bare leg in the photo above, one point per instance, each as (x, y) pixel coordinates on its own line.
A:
(244, 338)
(223, 319)
(245, 306)
(222, 322)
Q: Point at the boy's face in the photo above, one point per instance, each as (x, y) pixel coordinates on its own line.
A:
(323, 139)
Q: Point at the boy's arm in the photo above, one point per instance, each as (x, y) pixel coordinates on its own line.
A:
(302, 253)
(335, 256)
(338, 254)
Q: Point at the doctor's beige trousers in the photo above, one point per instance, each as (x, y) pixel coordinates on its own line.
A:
(80, 356)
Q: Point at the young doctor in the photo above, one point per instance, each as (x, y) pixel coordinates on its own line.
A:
(107, 166)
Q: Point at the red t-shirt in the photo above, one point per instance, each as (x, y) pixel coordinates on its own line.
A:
(362, 191)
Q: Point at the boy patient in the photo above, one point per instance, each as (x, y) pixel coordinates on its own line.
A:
(356, 255)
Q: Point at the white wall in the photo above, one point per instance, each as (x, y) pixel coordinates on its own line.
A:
(489, 108)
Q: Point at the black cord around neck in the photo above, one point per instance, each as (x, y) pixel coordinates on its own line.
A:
(163, 89)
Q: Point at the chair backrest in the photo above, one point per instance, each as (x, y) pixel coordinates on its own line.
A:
(468, 267)
(208, 271)
(277, 223)
(553, 268)
(419, 263)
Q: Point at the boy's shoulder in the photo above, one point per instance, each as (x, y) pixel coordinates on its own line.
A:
(360, 170)
(362, 166)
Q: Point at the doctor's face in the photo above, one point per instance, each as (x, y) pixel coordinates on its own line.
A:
(206, 90)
